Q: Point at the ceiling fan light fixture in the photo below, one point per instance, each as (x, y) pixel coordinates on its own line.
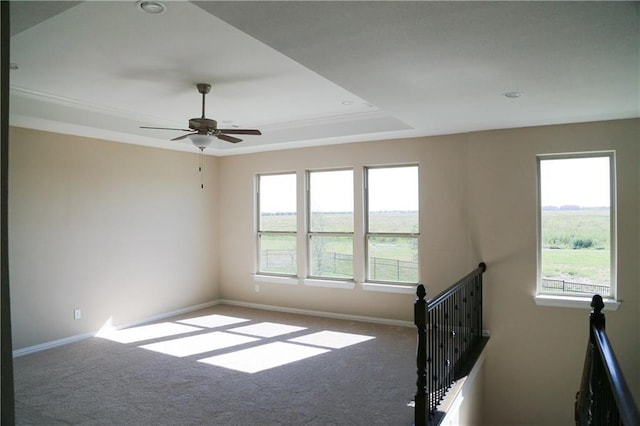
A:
(201, 141)
(152, 7)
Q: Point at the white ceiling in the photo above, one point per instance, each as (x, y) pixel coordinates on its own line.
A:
(312, 73)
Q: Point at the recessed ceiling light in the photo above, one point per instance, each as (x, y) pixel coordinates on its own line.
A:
(347, 102)
(152, 7)
(512, 95)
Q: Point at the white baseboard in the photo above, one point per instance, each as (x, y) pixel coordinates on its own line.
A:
(52, 344)
(168, 314)
(71, 339)
(323, 314)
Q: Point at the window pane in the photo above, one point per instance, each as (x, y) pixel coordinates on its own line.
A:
(331, 201)
(278, 254)
(331, 256)
(277, 198)
(393, 259)
(575, 225)
(392, 198)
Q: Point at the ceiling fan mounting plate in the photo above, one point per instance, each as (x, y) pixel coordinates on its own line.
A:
(203, 88)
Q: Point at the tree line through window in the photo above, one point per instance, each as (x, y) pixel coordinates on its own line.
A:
(390, 221)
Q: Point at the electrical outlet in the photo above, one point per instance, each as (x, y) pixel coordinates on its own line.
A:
(77, 314)
(257, 288)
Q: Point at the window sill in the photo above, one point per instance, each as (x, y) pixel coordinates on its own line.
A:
(275, 279)
(390, 288)
(573, 302)
(347, 285)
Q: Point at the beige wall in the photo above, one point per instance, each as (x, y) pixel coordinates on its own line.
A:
(119, 231)
(125, 231)
(464, 404)
(535, 358)
(443, 222)
(478, 195)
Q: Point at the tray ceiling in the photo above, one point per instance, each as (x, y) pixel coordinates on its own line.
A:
(314, 73)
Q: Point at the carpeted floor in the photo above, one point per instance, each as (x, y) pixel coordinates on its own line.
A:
(344, 376)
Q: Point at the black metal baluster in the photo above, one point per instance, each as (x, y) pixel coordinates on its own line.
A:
(433, 360)
(441, 355)
(464, 324)
(420, 313)
(452, 329)
(450, 337)
(457, 346)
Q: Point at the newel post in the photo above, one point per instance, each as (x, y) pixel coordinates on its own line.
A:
(586, 403)
(420, 319)
(596, 322)
(596, 317)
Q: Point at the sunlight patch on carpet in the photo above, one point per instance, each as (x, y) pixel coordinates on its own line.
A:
(331, 339)
(211, 321)
(147, 332)
(198, 344)
(263, 357)
(267, 329)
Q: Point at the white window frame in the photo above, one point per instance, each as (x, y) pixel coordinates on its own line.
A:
(568, 299)
(383, 285)
(318, 280)
(260, 232)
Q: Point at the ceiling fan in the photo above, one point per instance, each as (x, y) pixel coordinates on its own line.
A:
(203, 129)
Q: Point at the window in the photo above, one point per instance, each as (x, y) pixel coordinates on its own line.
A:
(330, 224)
(375, 241)
(576, 246)
(392, 224)
(277, 224)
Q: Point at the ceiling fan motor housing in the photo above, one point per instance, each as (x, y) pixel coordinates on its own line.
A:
(203, 124)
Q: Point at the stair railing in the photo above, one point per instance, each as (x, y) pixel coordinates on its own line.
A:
(449, 340)
(604, 397)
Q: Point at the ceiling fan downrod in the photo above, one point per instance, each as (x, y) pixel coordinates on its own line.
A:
(203, 88)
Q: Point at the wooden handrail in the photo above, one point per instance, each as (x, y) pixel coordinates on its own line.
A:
(482, 267)
(604, 396)
(621, 393)
(449, 328)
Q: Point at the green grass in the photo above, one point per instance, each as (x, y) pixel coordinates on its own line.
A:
(343, 222)
(576, 245)
(588, 266)
(402, 249)
(585, 228)
(575, 242)
(278, 222)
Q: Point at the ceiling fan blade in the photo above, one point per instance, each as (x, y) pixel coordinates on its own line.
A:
(228, 138)
(165, 128)
(240, 131)
(183, 136)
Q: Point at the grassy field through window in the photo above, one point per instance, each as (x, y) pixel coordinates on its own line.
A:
(394, 258)
(576, 245)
